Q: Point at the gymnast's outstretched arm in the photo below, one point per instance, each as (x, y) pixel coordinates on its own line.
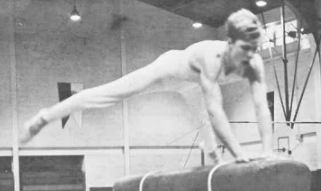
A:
(105, 95)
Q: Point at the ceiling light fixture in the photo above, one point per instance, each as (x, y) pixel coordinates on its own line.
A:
(260, 3)
(197, 25)
(75, 16)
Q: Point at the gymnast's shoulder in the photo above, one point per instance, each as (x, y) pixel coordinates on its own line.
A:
(207, 45)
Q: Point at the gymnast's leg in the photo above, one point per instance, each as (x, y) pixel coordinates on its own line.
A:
(105, 95)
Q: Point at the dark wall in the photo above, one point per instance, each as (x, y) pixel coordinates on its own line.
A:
(101, 189)
(6, 176)
(316, 180)
(54, 172)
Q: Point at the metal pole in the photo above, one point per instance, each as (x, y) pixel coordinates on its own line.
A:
(14, 114)
(124, 102)
(285, 63)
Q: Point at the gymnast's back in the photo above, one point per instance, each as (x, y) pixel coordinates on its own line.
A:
(187, 64)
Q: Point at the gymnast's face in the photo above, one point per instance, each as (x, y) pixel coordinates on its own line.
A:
(242, 51)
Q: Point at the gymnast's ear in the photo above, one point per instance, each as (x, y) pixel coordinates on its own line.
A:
(229, 40)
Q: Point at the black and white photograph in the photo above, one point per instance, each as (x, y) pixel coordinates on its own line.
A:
(160, 95)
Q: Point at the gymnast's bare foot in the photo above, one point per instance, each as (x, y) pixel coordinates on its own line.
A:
(32, 127)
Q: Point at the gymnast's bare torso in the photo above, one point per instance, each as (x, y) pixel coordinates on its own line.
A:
(205, 59)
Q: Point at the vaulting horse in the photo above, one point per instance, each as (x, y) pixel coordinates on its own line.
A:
(259, 175)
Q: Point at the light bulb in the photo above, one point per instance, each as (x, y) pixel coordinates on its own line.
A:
(260, 3)
(197, 25)
(75, 17)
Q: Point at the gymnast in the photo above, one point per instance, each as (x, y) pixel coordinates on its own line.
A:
(207, 63)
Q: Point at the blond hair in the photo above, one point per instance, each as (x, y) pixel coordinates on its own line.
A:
(243, 25)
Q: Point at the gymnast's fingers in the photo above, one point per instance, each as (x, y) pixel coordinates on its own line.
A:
(242, 159)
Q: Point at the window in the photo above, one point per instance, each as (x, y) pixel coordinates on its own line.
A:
(273, 35)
